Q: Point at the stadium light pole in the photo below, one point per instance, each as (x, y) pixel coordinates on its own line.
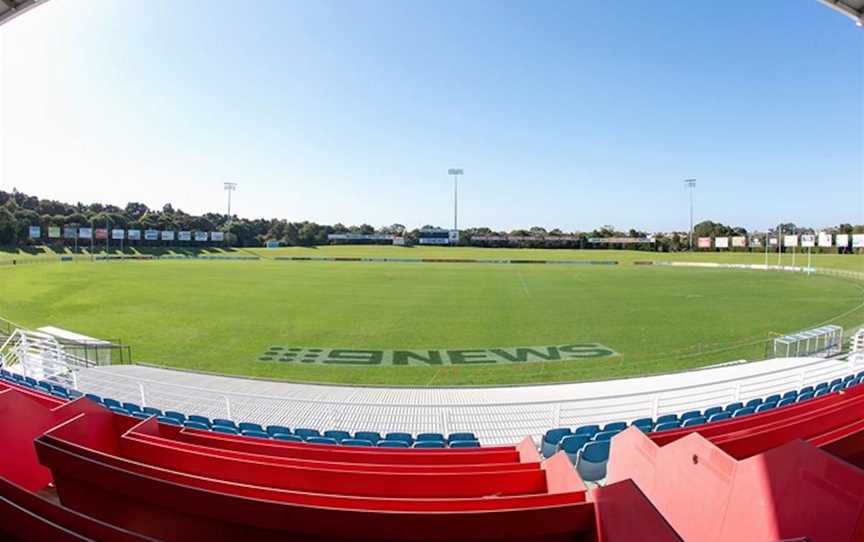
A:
(229, 187)
(455, 172)
(691, 183)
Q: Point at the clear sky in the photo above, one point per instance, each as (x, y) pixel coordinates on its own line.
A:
(569, 114)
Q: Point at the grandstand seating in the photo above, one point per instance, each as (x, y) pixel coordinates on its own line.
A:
(119, 476)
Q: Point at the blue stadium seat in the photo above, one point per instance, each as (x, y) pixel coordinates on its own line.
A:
(643, 423)
(225, 429)
(404, 437)
(848, 378)
(250, 426)
(132, 407)
(719, 417)
(667, 418)
(431, 437)
(108, 402)
(787, 401)
(430, 444)
(199, 419)
(54, 387)
(465, 444)
(708, 412)
(322, 440)
(93, 397)
(694, 421)
(306, 433)
(179, 416)
(356, 442)
(805, 396)
(371, 436)
(691, 414)
(806, 389)
(822, 386)
(75, 394)
(572, 445)
(790, 395)
(463, 436)
(254, 433)
(591, 464)
(604, 435)
(44, 388)
(141, 415)
(30, 380)
(277, 430)
(667, 426)
(823, 391)
(392, 444)
(223, 423)
(615, 426)
(764, 407)
(62, 395)
(119, 410)
(17, 377)
(753, 403)
(773, 398)
(168, 420)
(196, 425)
(591, 430)
(836, 387)
(338, 436)
(286, 437)
(743, 412)
(151, 411)
(835, 382)
(732, 407)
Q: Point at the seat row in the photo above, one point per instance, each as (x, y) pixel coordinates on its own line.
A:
(556, 439)
(44, 386)
(299, 434)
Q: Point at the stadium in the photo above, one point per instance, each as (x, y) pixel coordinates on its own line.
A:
(173, 376)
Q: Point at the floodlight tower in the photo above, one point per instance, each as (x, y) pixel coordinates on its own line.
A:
(229, 187)
(455, 172)
(691, 183)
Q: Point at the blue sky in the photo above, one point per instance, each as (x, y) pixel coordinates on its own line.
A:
(563, 114)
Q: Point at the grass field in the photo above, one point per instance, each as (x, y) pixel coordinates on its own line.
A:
(222, 316)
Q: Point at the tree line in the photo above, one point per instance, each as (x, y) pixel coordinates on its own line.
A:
(19, 211)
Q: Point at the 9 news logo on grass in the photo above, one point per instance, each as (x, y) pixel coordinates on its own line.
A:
(396, 358)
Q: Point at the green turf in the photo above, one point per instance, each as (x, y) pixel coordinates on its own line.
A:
(222, 315)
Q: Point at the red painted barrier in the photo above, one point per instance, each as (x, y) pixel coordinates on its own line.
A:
(624, 514)
(795, 490)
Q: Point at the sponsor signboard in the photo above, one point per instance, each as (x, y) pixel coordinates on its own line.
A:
(54, 232)
(359, 237)
(151, 235)
(399, 241)
(858, 240)
(824, 240)
(134, 235)
(184, 236)
(704, 242)
(808, 240)
(217, 236)
(790, 240)
(739, 242)
(755, 242)
(168, 235)
(842, 240)
(517, 238)
(70, 233)
(200, 235)
(434, 358)
(272, 243)
(721, 242)
(774, 241)
(101, 233)
(117, 234)
(85, 233)
(35, 232)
